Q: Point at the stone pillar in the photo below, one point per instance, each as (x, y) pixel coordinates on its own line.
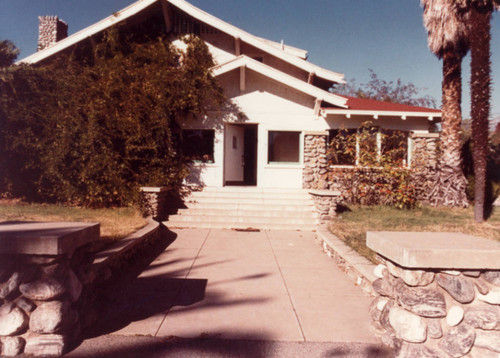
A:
(438, 294)
(326, 203)
(424, 162)
(50, 30)
(315, 173)
(155, 202)
(43, 267)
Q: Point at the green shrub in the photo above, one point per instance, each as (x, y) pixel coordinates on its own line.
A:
(92, 126)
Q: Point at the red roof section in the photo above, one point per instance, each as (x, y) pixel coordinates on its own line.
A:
(363, 104)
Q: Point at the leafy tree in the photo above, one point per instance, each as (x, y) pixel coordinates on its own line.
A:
(386, 91)
(8, 53)
(94, 125)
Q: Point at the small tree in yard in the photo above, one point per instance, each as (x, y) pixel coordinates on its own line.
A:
(92, 126)
(380, 176)
(8, 53)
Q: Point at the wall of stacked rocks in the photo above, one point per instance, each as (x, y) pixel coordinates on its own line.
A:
(315, 174)
(48, 301)
(437, 313)
(155, 202)
(50, 30)
(425, 155)
(40, 302)
(325, 202)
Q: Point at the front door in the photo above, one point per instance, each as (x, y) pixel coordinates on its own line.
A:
(234, 150)
(240, 154)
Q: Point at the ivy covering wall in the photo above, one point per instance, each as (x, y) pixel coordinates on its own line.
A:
(92, 125)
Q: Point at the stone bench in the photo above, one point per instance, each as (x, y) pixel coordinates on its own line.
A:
(438, 294)
(42, 272)
(325, 202)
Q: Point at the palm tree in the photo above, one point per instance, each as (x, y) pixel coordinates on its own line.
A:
(448, 40)
(479, 21)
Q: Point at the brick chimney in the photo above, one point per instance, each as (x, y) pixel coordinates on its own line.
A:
(50, 30)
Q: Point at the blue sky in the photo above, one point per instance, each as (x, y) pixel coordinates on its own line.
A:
(345, 36)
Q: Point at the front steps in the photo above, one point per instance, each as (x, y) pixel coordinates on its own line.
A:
(247, 208)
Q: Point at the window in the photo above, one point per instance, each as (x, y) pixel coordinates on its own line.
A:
(367, 145)
(198, 145)
(342, 144)
(394, 146)
(284, 147)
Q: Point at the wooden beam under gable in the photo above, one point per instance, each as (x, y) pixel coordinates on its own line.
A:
(310, 79)
(243, 70)
(167, 15)
(317, 107)
(237, 46)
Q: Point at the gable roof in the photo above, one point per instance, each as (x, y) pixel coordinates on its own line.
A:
(289, 55)
(302, 54)
(270, 72)
(256, 41)
(363, 106)
(89, 31)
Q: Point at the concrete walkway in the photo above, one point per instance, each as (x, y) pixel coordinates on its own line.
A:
(225, 284)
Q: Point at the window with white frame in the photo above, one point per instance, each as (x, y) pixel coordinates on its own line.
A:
(198, 145)
(283, 147)
(368, 146)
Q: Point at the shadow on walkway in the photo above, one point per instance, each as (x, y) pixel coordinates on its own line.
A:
(210, 347)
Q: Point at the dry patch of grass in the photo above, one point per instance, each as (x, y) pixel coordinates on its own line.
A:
(115, 223)
(351, 226)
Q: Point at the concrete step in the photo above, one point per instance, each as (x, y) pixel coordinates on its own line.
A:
(215, 225)
(244, 219)
(250, 195)
(244, 207)
(249, 189)
(251, 207)
(245, 200)
(265, 212)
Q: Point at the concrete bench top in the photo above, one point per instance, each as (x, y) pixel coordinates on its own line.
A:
(444, 250)
(46, 238)
(324, 192)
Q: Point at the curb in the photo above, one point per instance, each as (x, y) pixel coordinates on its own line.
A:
(358, 268)
(107, 262)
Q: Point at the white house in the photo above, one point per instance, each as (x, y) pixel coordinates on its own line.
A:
(282, 102)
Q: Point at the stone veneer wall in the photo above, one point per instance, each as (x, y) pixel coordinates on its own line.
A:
(154, 202)
(437, 313)
(40, 302)
(319, 175)
(315, 172)
(425, 154)
(50, 30)
(325, 202)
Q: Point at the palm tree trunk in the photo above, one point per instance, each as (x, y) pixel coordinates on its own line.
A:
(451, 184)
(480, 102)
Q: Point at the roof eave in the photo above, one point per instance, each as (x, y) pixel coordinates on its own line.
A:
(281, 77)
(89, 31)
(257, 42)
(376, 114)
(231, 30)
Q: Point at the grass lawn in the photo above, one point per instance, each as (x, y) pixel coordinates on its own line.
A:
(115, 223)
(351, 225)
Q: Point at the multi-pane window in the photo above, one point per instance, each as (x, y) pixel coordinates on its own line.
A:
(394, 146)
(367, 146)
(283, 147)
(343, 146)
(198, 145)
